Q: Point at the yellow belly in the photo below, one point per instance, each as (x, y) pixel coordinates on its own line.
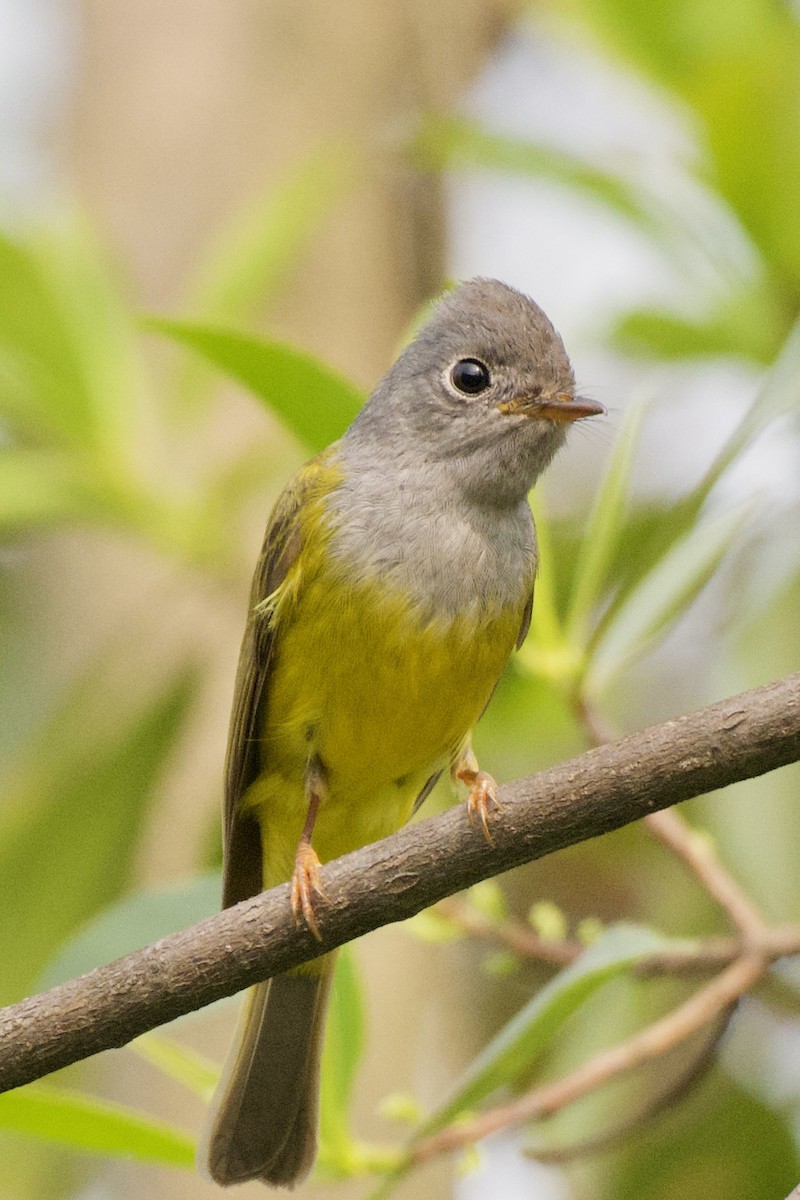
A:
(380, 697)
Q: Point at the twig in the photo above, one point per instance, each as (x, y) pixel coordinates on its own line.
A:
(748, 958)
(698, 855)
(674, 833)
(595, 725)
(510, 935)
(705, 1006)
(654, 1106)
(702, 956)
(393, 879)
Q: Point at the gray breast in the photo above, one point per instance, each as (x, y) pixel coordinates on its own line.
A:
(449, 556)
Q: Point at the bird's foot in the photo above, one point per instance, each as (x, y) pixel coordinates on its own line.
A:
(306, 887)
(482, 802)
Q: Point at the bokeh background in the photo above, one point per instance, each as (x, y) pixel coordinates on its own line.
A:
(311, 174)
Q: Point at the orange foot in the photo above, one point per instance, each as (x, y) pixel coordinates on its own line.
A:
(305, 887)
(482, 802)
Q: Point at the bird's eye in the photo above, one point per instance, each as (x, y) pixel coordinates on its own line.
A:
(470, 376)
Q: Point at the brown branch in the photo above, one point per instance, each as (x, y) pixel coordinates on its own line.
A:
(698, 855)
(705, 1006)
(748, 957)
(608, 787)
(509, 934)
(673, 832)
(701, 956)
(654, 1107)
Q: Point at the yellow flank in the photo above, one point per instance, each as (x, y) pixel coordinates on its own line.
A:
(381, 697)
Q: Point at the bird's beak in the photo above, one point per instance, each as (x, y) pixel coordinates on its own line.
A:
(561, 406)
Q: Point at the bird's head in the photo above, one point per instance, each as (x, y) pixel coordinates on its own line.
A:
(485, 389)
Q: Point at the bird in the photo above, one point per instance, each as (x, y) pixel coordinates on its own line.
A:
(395, 581)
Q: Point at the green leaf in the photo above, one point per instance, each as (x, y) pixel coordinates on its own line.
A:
(178, 1062)
(38, 487)
(444, 141)
(745, 331)
(683, 231)
(514, 1049)
(662, 596)
(738, 81)
(344, 1044)
(544, 652)
(778, 396)
(546, 628)
(84, 1123)
(77, 802)
(602, 534)
(133, 922)
(38, 364)
(68, 368)
(315, 402)
(102, 338)
(704, 1151)
(250, 259)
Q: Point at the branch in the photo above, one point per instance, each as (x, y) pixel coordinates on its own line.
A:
(702, 956)
(391, 880)
(698, 855)
(695, 851)
(655, 1040)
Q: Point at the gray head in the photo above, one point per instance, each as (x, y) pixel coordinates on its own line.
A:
(485, 389)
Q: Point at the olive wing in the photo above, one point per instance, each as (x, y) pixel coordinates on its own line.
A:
(242, 855)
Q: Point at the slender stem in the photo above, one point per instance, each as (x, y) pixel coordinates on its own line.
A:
(673, 832)
(698, 855)
(509, 934)
(701, 957)
(655, 1040)
(749, 957)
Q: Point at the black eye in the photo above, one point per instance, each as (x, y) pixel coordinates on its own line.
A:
(470, 376)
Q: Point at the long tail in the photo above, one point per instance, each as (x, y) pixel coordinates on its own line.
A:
(264, 1116)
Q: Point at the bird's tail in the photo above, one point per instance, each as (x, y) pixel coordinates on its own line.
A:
(264, 1116)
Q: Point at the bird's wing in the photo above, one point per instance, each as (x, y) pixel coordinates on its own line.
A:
(242, 868)
(525, 624)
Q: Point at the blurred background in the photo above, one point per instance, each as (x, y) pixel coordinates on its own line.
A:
(218, 221)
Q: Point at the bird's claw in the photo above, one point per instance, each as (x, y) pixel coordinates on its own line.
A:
(305, 887)
(482, 803)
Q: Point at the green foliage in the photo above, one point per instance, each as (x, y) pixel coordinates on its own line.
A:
(67, 843)
(66, 357)
(73, 394)
(452, 142)
(315, 402)
(737, 71)
(178, 1062)
(344, 1045)
(512, 1052)
(662, 596)
(725, 1144)
(603, 531)
(93, 1126)
(131, 922)
(89, 440)
(261, 244)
